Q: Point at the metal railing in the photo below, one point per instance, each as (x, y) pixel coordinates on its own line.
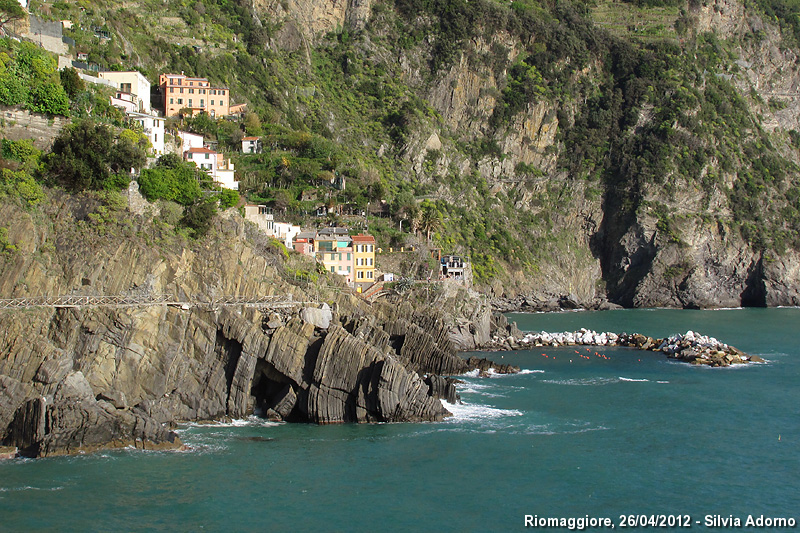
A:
(144, 300)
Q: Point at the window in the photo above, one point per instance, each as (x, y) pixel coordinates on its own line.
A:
(202, 103)
(348, 270)
(191, 91)
(369, 274)
(190, 102)
(370, 261)
(369, 248)
(180, 90)
(222, 93)
(213, 91)
(360, 274)
(191, 83)
(212, 102)
(332, 270)
(207, 156)
(170, 101)
(155, 137)
(202, 91)
(348, 257)
(172, 89)
(180, 100)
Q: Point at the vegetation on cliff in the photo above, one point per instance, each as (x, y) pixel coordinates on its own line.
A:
(534, 137)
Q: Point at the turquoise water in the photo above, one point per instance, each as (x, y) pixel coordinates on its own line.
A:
(623, 432)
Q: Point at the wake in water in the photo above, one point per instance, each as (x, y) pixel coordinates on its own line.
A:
(27, 487)
(582, 382)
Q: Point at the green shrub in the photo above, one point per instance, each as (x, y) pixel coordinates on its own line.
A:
(198, 216)
(227, 198)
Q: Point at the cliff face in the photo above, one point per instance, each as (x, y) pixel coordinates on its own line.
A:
(80, 378)
(631, 257)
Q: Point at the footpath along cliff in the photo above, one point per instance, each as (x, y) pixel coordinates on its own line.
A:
(80, 378)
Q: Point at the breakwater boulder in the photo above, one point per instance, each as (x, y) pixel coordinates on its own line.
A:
(691, 347)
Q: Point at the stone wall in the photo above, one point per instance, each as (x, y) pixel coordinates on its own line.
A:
(17, 123)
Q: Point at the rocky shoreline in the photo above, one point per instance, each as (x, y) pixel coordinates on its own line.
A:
(690, 347)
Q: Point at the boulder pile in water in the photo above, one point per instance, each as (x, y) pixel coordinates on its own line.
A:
(691, 347)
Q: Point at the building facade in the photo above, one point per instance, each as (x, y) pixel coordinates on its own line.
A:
(190, 140)
(133, 83)
(336, 254)
(364, 260)
(251, 145)
(196, 94)
(153, 127)
(221, 170)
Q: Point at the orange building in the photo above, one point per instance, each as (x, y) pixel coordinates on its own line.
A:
(183, 92)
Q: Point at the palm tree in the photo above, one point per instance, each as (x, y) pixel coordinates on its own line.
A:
(430, 219)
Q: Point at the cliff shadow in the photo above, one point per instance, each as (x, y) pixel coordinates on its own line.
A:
(755, 289)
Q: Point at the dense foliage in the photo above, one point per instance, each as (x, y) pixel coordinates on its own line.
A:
(89, 155)
(28, 77)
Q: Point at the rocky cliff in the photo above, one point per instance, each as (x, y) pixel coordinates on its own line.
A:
(617, 229)
(78, 378)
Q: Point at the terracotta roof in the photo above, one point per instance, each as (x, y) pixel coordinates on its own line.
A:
(201, 151)
(363, 238)
(249, 138)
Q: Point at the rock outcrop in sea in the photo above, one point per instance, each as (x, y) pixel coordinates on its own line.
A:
(691, 347)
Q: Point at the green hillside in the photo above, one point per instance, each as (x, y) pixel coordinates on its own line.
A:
(635, 113)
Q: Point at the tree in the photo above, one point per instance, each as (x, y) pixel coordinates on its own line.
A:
(72, 83)
(49, 99)
(86, 154)
(252, 124)
(282, 200)
(10, 11)
(198, 217)
(177, 181)
(228, 198)
(430, 218)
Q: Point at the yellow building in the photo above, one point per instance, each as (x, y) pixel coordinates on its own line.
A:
(364, 260)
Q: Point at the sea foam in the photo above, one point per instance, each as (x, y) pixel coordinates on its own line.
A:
(466, 412)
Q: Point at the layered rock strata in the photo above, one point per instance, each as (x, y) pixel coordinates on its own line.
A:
(75, 380)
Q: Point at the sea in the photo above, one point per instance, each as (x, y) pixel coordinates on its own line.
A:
(582, 433)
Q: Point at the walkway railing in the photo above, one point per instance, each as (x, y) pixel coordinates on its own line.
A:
(143, 300)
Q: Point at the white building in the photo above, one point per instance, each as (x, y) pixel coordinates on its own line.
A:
(220, 169)
(124, 101)
(285, 232)
(251, 145)
(226, 174)
(204, 159)
(190, 140)
(153, 127)
(132, 82)
(262, 217)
